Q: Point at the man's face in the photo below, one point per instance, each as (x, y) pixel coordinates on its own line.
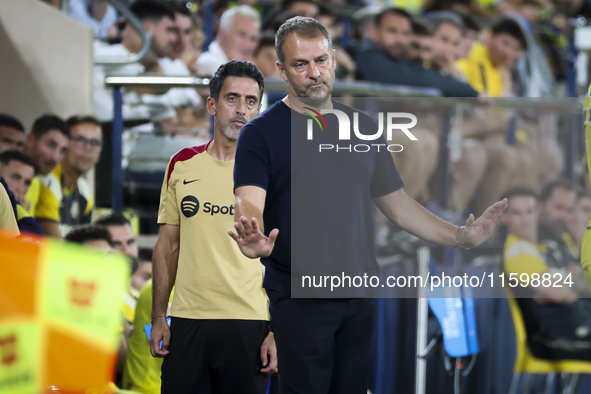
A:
(466, 43)
(18, 177)
(580, 216)
(86, 141)
(123, 239)
(162, 35)
(303, 8)
(239, 101)
(183, 26)
(265, 61)
(240, 42)
(446, 40)
(505, 50)
(521, 216)
(11, 139)
(394, 34)
(141, 275)
(47, 151)
(309, 68)
(556, 211)
(420, 49)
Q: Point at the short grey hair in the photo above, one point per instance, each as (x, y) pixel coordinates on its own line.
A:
(302, 26)
(227, 19)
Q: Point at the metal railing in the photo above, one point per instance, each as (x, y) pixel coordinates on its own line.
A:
(137, 24)
(369, 89)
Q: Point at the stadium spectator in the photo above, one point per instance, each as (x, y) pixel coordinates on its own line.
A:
(46, 145)
(557, 201)
(364, 24)
(99, 15)
(420, 49)
(12, 133)
(190, 111)
(236, 38)
(158, 19)
(65, 198)
(446, 39)
(557, 322)
(385, 62)
(469, 36)
(17, 172)
(487, 66)
(142, 372)
(7, 219)
(121, 233)
(345, 64)
(194, 50)
(265, 56)
(90, 235)
(144, 271)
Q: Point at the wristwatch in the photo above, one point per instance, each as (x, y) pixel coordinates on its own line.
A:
(459, 236)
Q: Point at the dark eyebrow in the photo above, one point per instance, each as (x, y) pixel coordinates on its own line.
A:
(232, 94)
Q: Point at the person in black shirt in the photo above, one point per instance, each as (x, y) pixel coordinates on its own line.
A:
(386, 62)
(324, 345)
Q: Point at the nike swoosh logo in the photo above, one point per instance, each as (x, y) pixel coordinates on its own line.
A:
(185, 181)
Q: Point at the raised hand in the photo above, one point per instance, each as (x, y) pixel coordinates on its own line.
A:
(478, 231)
(250, 239)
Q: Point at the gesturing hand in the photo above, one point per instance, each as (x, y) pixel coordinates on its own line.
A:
(478, 231)
(251, 241)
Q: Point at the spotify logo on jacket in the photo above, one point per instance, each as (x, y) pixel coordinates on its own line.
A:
(190, 207)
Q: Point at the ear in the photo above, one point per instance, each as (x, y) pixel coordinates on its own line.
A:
(281, 70)
(149, 26)
(30, 141)
(211, 106)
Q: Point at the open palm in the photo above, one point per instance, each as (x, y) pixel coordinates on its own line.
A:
(251, 240)
(478, 231)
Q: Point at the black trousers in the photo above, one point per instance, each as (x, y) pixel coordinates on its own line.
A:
(324, 346)
(215, 357)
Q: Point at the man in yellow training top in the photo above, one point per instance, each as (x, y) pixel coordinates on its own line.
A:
(219, 339)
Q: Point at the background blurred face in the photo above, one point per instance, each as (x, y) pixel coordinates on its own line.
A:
(240, 42)
(123, 239)
(394, 34)
(239, 101)
(18, 177)
(141, 275)
(11, 139)
(304, 8)
(265, 61)
(505, 50)
(183, 26)
(163, 36)
(47, 151)
(86, 141)
(466, 43)
(557, 210)
(446, 40)
(521, 217)
(309, 67)
(577, 224)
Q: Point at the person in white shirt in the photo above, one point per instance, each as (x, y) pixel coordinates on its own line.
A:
(99, 15)
(237, 38)
(158, 19)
